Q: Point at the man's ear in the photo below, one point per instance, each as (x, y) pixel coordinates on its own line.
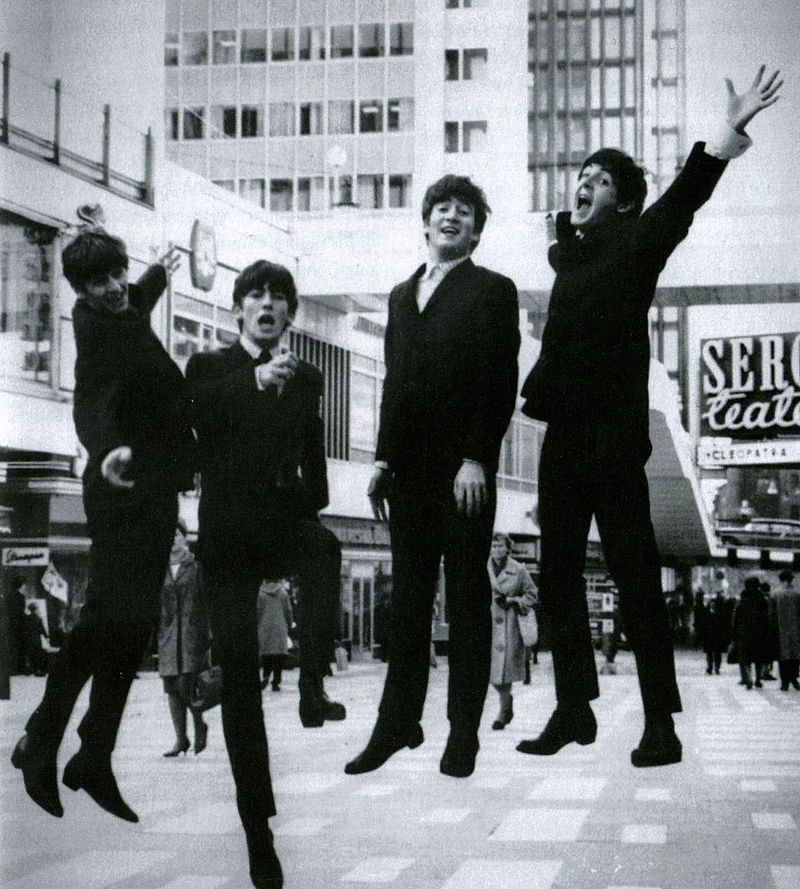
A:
(624, 209)
(289, 322)
(476, 239)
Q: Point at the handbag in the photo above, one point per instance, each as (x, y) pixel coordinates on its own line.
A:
(207, 690)
(528, 628)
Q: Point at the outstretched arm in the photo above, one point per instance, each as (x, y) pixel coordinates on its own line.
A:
(743, 108)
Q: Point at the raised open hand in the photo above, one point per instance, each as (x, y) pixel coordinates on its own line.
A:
(742, 108)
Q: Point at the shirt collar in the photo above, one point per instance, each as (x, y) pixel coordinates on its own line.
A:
(444, 267)
(250, 347)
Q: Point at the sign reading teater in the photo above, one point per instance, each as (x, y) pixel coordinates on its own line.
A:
(750, 386)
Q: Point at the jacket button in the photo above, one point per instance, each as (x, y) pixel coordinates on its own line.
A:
(499, 620)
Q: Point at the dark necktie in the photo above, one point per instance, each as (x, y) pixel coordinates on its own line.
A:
(264, 356)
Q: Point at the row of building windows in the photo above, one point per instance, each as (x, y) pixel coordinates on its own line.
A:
(308, 43)
(289, 119)
(601, 87)
(610, 38)
(465, 136)
(307, 193)
(465, 64)
(575, 134)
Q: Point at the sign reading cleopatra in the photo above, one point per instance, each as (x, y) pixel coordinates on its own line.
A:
(750, 386)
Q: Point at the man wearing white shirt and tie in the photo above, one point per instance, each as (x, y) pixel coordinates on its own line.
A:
(451, 379)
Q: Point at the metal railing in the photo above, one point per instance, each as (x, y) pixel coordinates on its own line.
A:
(45, 121)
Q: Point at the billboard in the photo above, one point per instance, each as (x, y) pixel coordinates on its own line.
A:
(750, 387)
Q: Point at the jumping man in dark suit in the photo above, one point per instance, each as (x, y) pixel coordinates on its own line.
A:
(451, 377)
(590, 385)
(132, 414)
(263, 480)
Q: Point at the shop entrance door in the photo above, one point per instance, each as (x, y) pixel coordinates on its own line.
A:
(361, 617)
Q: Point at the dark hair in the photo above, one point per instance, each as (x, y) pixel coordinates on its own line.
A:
(752, 584)
(462, 188)
(93, 252)
(786, 576)
(627, 175)
(263, 275)
(500, 537)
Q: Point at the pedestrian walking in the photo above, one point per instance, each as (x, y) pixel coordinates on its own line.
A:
(716, 632)
(183, 642)
(513, 596)
(451, 346)
(590, 385)
(131, 412)
(751, 632)
(787, 618)
(274, 622)
(35, 632)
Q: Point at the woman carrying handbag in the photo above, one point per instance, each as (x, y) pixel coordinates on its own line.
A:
(513, 597)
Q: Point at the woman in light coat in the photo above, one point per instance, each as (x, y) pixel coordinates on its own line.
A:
(274, 622)
(183, 640)
(513, 594)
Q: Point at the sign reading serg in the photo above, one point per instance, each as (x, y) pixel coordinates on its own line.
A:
(750, 386)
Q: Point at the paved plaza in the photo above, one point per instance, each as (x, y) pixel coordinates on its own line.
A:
(725, 818)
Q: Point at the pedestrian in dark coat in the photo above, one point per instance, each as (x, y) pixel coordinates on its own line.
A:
(132, 414)
(787, 619)
(590, 384)
(751, 631)
(716, 624)
(183, 641)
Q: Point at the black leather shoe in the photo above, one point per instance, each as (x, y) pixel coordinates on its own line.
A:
(458, 759)
(40, 776)
(659, 746)
(381, 746)
(567, 724)
(503, 719)
(316, 707)
(795, 684)
(97, 779)
(265, 868)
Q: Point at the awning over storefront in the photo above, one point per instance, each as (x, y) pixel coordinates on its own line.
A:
(682, 525)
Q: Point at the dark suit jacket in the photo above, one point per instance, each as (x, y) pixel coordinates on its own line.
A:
(262, 455)
(128, 391)
(451, 372)
(595, 356)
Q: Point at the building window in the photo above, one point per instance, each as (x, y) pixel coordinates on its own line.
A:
(370, 192)
(280, 195)
(400, 115)
(195, 47)
(310, 193)
(227, 184)
(371, 41)
(193, 122)
(224, 47)
(252, 190)
(223, 122)
(400, 191)
(281, 119)
(311, 119)
(341, 117)
(311, 45)
(370, 117)
(172, 129)
(475, 64)
(364, 407)
(474, 136)
(171, 49)
(282, 44)
(451, 137)
(401, 38)
(26, 318)
(341, 41)
(451, 64)
(252, 121)
(254, 45)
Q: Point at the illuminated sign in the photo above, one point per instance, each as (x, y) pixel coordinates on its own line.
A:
(25, 555)
(750, 386)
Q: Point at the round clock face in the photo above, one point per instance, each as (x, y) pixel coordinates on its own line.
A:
(207, 256)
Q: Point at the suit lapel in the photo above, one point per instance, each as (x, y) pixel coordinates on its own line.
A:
(449, 285)
(408, 295)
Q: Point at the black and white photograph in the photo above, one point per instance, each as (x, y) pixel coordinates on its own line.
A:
(399, 444)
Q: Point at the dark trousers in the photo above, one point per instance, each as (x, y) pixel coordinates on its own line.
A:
(714, 659)
(789, 670)
(127, 562)
(582, 475)
(272, 664)
(425, 525)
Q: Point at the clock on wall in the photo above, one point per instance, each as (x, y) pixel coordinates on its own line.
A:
(203, 262)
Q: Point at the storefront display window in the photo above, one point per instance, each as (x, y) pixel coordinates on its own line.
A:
(26, 298)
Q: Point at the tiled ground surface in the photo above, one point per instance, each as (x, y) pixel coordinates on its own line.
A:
(726, 818)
